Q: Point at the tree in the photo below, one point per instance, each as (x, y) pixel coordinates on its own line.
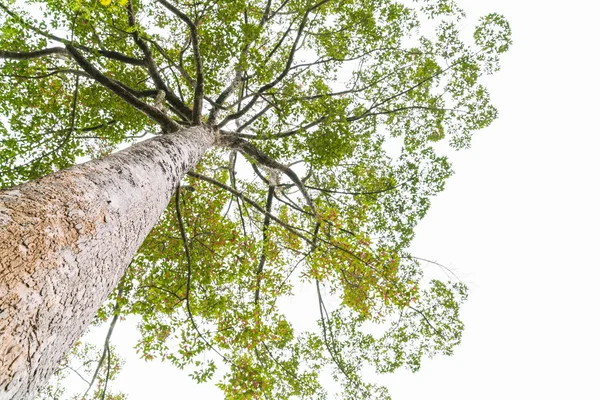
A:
(299, 138)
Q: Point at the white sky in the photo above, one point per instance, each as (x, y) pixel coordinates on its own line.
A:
(518, 222)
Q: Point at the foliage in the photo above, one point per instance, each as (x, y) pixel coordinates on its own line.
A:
(331, 115)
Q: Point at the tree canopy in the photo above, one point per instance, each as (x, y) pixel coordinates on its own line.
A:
(330, 116)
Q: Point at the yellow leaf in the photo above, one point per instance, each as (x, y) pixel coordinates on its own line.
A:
(105, 2)
(123, 2)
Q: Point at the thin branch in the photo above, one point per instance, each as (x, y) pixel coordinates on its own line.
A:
(422, 314)
(254, 204)
(186, 77)
(265, 239)
(189, 278)
(232, 161)
(78, 374)
(353, 193)
(107, 375)
(280, 41)
(65, 140)
(180, 299)
(251, 120)
(279, 77)
(106, 343)
(333, 351)
(49, 74)
(276, 12)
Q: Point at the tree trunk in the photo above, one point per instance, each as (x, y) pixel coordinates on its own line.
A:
(65, 241)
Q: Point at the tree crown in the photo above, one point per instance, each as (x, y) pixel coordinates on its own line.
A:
(328, 115)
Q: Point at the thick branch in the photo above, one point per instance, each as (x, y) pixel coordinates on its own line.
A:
(27, 55)
(199, 88)
(153, 69)
(163, 119)
(247, 148)
(115, 55)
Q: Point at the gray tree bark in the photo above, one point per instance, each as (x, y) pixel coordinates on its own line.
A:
(65, 241)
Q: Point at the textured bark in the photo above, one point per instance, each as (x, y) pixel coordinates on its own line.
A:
(65, 241)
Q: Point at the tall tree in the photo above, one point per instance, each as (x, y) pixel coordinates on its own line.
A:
(307, 131)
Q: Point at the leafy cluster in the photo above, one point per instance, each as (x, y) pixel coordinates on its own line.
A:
(330, 116)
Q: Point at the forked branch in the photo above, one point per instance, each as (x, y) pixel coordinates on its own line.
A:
(163, 119)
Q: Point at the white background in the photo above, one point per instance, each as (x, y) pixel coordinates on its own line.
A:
(518, 223)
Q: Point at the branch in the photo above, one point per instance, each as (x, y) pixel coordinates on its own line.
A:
(161, 118)
(239, 72)
(78, 374)
(280, 77)
(115, 55)
(280, 41)
(231, 171)
(266, 13)
(27, 55)
(254, 204)
(333, 351)
(153, 69)
(63, 142)
(186, 77)
(368, 113)
(410, 89)
(233, 142)
(218, 104)
(422, 314)
(263, 256)
(276, 12)
(189, 279)
(107, 375)
(251, 120)
(199, 88)
(353, 193)
(49, 74)
(185, 247)
(106, 343)
(180, 299)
